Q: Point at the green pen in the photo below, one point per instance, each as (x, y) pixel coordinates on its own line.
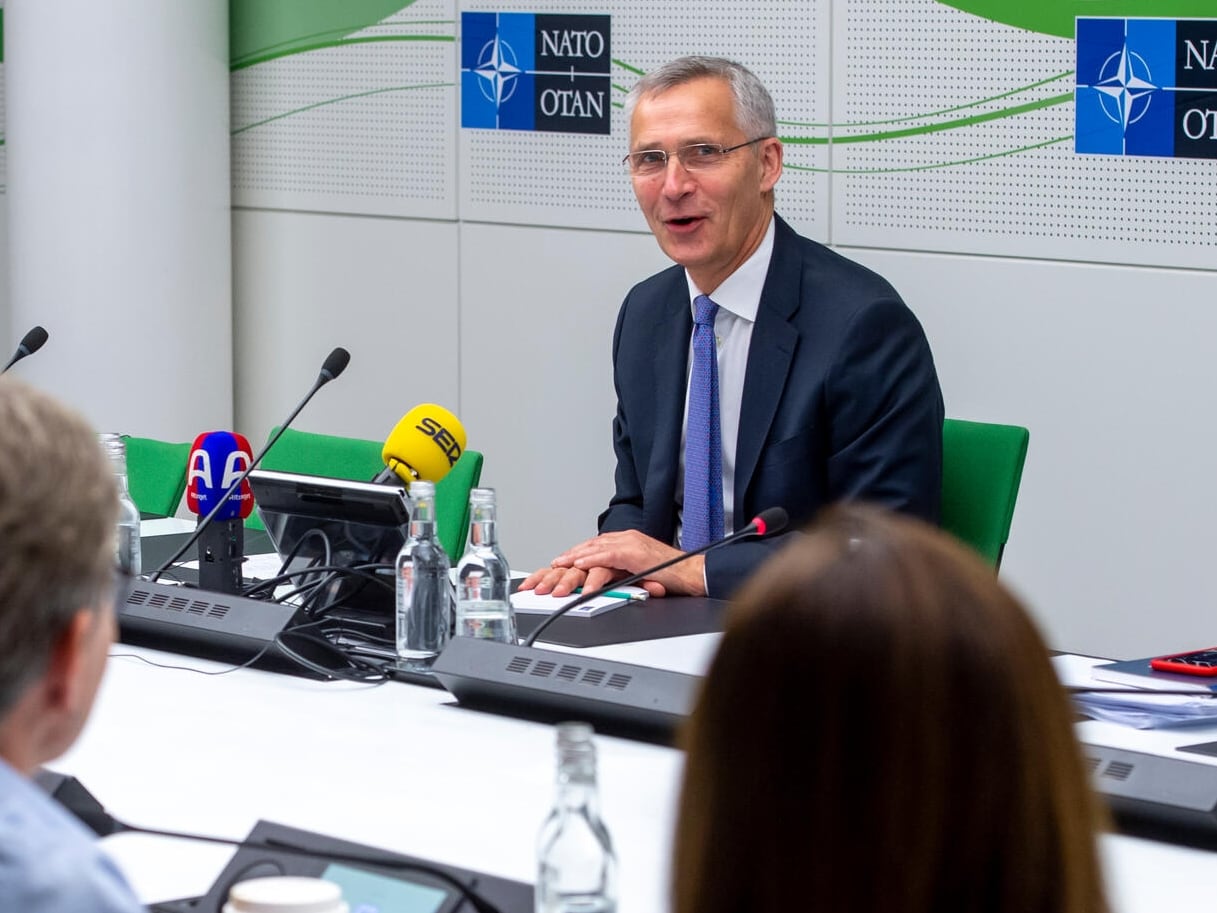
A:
(616, 595)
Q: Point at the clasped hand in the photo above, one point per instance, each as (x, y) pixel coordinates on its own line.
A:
(611, 556)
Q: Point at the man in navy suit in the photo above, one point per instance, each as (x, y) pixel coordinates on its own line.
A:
(826, 388)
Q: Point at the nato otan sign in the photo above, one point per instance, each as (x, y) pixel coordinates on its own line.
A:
(1146, 87)
(533, 71)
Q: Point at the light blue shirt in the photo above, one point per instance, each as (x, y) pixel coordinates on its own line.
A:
(49, 861)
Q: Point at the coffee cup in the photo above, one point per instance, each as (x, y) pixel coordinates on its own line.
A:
(285, 894)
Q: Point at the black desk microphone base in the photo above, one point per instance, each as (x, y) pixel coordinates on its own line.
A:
(261, 858)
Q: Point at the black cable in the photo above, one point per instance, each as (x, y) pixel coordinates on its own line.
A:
(306, 593)
(359, 570)
(315, 532)
(143, 659)
(360, 670)
(351, 595)
(314, 562)
(289, 653)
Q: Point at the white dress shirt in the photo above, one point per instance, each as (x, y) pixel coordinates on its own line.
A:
(738, 299)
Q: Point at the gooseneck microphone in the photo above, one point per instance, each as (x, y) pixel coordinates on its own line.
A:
(768, 521)
(30, 343)
(335, 363)
(70, 793)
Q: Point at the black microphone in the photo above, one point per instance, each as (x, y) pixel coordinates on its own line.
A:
(30, 343)
(70, 793)
(768, 521)
(335, 364)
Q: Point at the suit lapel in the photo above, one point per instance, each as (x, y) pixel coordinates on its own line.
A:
(769, 357)
(670, 367)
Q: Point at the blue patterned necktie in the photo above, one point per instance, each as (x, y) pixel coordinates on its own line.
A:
(702, 519)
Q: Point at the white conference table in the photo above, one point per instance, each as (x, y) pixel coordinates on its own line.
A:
(395, 766)
(403, 768)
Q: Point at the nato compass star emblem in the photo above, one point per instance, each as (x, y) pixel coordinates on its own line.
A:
(497, 71)
(1125, 93)
(1124, 87)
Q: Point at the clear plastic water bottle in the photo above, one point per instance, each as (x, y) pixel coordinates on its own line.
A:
(424, 591)
(576, 868)
(127, 545)
(483, 579)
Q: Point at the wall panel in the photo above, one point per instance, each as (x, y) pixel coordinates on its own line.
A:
(385, 289)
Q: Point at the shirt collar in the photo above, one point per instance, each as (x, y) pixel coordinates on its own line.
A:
(740, 293)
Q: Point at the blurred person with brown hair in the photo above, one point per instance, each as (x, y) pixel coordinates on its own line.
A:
(881, 731)
(58, 589)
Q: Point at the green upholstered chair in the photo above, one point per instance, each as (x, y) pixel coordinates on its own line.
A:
(359, 459)
(324, 455)
(320, 455)
(452, 503)
(156, 474)
(982, 465)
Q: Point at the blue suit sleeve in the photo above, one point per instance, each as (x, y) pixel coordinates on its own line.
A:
(625, 507)
(883, 416)
(886, 415)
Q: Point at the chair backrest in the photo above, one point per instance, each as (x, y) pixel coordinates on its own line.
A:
(359, 459)
(321, 455)
(452, 503)
(982, 465)
(324, 455)
(156, 474)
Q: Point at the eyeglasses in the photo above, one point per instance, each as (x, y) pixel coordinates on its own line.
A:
(697, 157)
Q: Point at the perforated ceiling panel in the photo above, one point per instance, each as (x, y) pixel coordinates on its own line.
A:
(349, 121)
(550, 178)
(955, 133)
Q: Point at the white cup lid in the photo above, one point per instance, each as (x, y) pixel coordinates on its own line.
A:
(285, 894)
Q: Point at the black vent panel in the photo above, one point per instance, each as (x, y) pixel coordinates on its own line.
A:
(519, 665)
(177, 603)
(1119, 770)
(570, 673)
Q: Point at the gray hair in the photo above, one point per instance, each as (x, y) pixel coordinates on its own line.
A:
(58, 509)
(754, 112)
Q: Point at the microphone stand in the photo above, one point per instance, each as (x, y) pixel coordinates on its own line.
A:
(334, 365)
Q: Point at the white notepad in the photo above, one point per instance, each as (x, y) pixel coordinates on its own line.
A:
(530, 603)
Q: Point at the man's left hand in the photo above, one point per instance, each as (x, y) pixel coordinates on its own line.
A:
(632, 551)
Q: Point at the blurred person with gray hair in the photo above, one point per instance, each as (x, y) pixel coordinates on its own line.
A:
(58, 591)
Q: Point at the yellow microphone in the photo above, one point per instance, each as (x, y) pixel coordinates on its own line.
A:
(425, 444)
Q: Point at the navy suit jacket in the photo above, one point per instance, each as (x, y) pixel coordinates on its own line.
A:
(840, 401)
